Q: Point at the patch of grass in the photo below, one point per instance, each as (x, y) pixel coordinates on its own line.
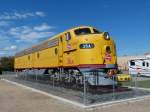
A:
(143, 84)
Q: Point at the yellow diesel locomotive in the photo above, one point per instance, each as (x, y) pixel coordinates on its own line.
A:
(71, 55)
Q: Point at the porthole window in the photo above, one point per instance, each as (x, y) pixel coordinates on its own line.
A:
(68, 36)
(56, 51)
(28, 57)
(61, 39)
(38, 55)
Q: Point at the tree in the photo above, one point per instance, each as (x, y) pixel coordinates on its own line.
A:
(7, 63)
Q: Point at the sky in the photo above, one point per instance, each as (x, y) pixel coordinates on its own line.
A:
(24, 23)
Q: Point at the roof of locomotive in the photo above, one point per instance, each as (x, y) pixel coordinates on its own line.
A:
(23, 52)
(74, 28)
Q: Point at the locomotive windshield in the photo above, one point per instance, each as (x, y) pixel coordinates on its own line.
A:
(85, 31)
(82, 31)
(96, 31)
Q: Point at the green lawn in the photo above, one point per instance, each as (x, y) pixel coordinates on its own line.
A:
(144, 83)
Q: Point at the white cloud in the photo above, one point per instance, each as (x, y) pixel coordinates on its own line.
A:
(16, 31)
(35, 35)
(39, 13)
(13, 47)
(10, 48)
(26, 33)
(20, 15)
(42, 27)
(13, 39)
(4, 23)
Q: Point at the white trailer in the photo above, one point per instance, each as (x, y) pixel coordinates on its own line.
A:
(140, 67)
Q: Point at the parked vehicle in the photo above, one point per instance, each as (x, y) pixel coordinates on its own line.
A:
(140, 67)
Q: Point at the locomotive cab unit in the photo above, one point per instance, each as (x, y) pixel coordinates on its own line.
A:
(71, 55)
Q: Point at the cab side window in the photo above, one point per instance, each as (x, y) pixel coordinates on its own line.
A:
(68, 36)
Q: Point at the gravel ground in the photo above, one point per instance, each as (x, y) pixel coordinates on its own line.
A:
(78, 95)
(16, 99)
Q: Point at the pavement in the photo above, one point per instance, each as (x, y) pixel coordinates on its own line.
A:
(14, 98)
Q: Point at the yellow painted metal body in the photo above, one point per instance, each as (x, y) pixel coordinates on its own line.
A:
(59, 52)
(46, 59)
(123, 77)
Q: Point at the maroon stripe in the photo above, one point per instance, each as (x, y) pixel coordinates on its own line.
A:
(79, 66)
(92, 66)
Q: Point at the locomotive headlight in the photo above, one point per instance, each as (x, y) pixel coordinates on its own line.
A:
(106, 35)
